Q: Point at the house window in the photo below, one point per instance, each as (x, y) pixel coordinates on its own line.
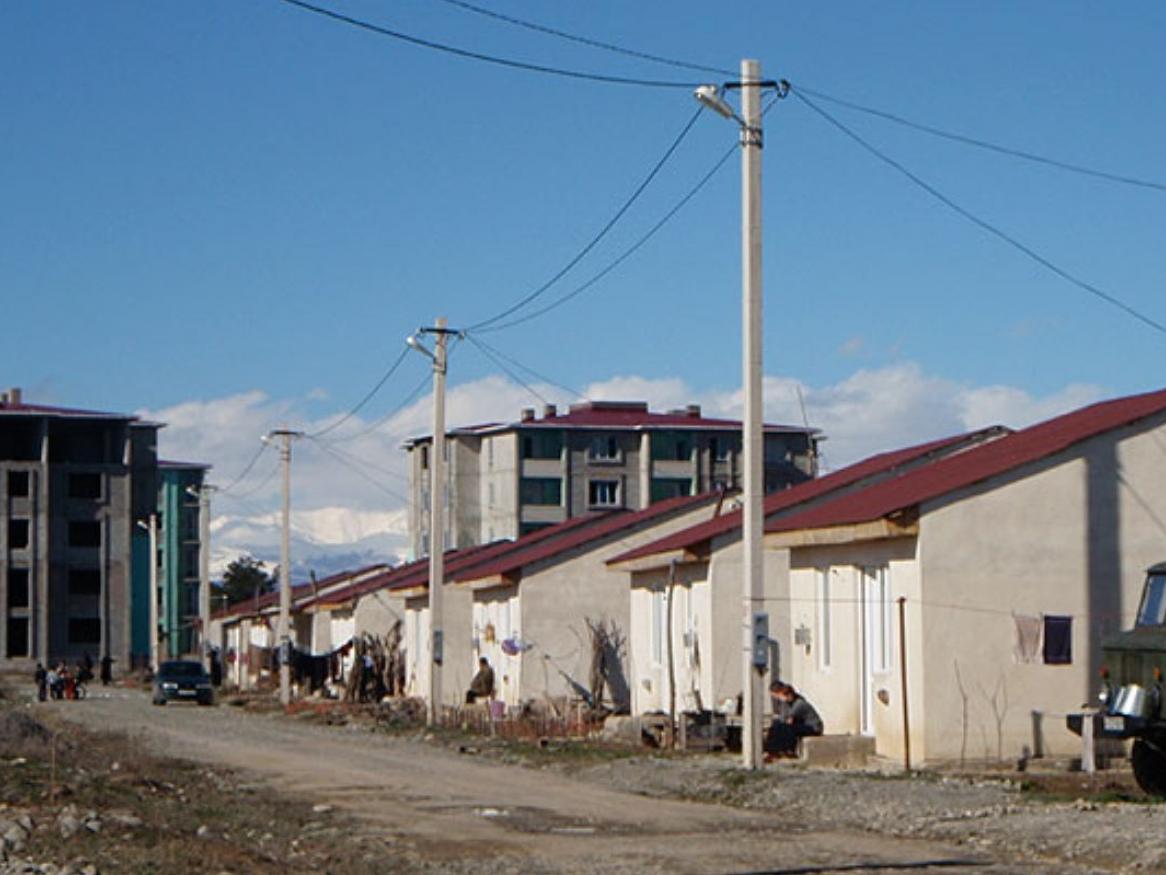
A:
(18, 484)
(84, 533)
(546, 491)
(659, 625)
(85, 484)
(84, 630)
(18, 591)
(670, 487)
(1153, 609)
(424, 458)
(878, 618)
(603, 493)
(1058, 638)
(824, 618)
(84, 581)
(604, 448)
(18, 534)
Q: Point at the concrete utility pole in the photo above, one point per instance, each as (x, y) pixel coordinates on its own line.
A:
(753, 621)
(203, 494)
(285, 587)
(436, 510)
(754, 447)
(151, 528)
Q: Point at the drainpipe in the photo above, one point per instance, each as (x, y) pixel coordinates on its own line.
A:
(903, 681)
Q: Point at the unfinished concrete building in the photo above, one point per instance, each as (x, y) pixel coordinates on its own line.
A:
(72, 484)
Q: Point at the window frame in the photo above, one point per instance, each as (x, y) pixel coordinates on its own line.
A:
(599, 482)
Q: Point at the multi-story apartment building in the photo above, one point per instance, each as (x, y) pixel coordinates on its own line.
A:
(72, 485)
(178, 555)
(507, 479)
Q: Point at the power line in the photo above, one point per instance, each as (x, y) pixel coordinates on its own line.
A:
(602, 233)
(259, 486)
(246, 469)
(981, 223)
(530, 25)
(627, 253)
(486, 348)
(489, 59)
(347, 416)
(380, 422)
(982, 144)
(355, 468)
(508, 372)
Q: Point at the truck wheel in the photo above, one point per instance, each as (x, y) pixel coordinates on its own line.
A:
(1149, 764)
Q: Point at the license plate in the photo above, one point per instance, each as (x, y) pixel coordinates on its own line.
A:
(191, 693)
(1114, 724)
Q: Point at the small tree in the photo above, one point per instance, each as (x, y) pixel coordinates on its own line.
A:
(246, 578)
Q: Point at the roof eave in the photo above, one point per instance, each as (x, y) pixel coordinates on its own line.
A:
(848, 533)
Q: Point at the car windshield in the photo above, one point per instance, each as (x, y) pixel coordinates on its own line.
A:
(1153, 612)
(181, 669)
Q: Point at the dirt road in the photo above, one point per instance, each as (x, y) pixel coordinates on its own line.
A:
(435, 810)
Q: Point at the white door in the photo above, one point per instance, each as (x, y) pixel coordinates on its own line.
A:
(876, 644)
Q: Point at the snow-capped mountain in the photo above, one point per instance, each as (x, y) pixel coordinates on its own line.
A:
(325, 541)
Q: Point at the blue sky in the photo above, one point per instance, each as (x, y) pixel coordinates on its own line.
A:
(207, 202)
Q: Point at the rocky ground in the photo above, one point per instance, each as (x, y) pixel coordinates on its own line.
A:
(388, 796)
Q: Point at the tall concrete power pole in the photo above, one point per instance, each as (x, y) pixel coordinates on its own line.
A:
(203, 493)
(285, 586)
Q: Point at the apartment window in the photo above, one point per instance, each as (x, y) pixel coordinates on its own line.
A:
(18, 484)
(670, 487)
(721, 448)
(545, 491)
(190, 601)
(425, 544)
(670, 447)
(604, 448)
(18, 534)
(85, 484)
(824, 618)
(190, 556)
(84, 630)
(84, 581)
(84, 533)
(1058, 640)
(542, 445)
(190, 525)
(603, 493)
(424, 458)
(17, 637)
(18, 589)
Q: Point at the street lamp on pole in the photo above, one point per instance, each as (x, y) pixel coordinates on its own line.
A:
(752, 585)
(436, 508)
(151, 528)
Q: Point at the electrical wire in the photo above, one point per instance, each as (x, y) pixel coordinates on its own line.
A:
(498, 361)
(355, 468)
(602, 233)
(425, 380)
(981, 144)
(246, 492)
(627, 253)
(351, 413)
(489, 59)
(632, 53)
(981, 223)
(486, 348)
(246, 470)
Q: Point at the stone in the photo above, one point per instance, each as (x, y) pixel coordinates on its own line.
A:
(622, 729)
(322, 808)
(69, 825)
(203, 832)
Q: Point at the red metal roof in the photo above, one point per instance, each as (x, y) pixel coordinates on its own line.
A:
(300, 592)
(8, 408)
(977, 465)
(808, 491)
(523, 553)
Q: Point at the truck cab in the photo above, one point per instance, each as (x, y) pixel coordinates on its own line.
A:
(1131, 704)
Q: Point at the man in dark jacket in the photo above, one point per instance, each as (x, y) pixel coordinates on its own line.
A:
(482, 686)
(793, 718)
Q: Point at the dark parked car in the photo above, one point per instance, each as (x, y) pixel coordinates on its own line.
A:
(183, 680)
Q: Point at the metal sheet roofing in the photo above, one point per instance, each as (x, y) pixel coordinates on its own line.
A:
(960, 471)
(807, 491)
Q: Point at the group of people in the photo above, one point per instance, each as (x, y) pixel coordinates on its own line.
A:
(59, 681)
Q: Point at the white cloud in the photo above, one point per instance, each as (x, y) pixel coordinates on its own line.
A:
(350, 486)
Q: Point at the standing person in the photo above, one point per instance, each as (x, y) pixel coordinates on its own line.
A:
(106, 670)
(55, 684)
(42, 683)
(482, 685)
(794, 718)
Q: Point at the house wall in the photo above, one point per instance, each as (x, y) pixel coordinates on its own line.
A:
(845, 653)
(458, 661)
(497, 616)
(1073, 537)
(498, 464)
